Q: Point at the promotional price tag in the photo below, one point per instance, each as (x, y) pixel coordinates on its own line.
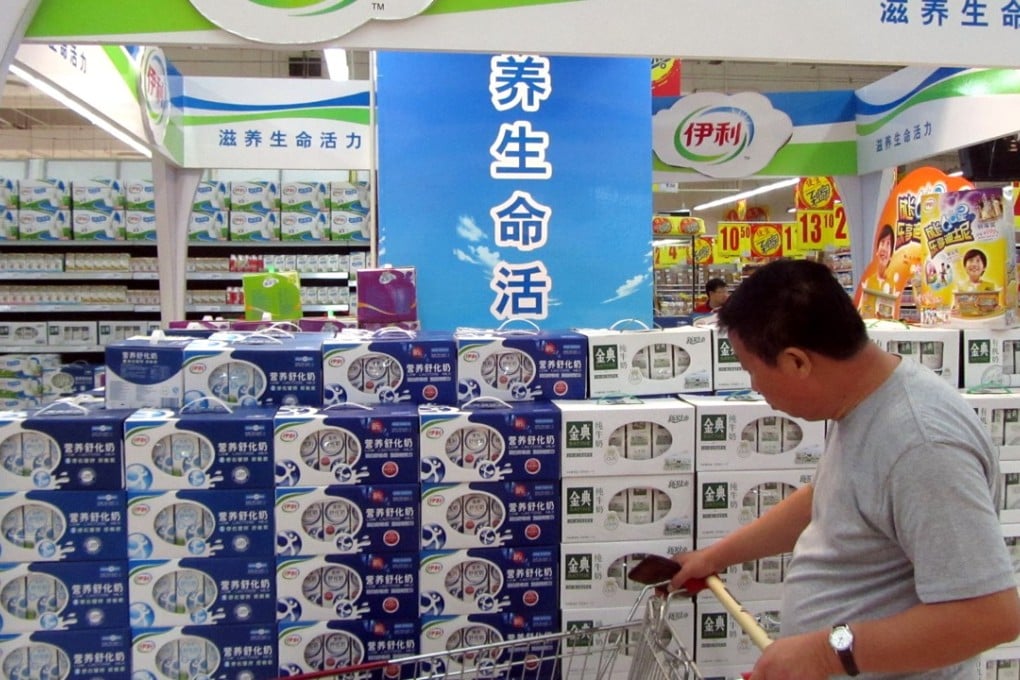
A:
(704, 250)
(766, 240)
(733, 241)
(840, 228)
(815, 228)
(669, 254)
(791, 241)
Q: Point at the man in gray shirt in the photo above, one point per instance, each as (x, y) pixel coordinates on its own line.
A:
(899, 565)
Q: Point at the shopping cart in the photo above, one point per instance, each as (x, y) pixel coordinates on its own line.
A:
(646, 640)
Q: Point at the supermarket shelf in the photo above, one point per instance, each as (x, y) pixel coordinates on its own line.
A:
(28, 277)
(238, 276)
(8, 309)
(71, 244)
(277, 244)
(212, 309)
(52, 349)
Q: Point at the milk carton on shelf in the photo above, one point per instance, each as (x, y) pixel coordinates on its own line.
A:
(596, 574)
(98, 195)
(991, 357)
(259, 197)
(935, 348)
(44, 194)
(317, 646)
(627, 508)
(207, 651)
(304, 197)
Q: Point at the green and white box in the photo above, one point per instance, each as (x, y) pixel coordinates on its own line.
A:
(991, 357)
(98, 225)
(306, 197)
(934, 348)
(8, 193)
(628, 508)
(627, 436)
(727, 373)
(719, 639)
(729, 499)
(1000, 663)
(999, 410)
(649, 361)
(8, 224)
(754, 580)
(44, 194)
(596, 574)
(140, 195)
(1009, 487)
(254, 197)
(209, 226)
(44, 225)
(748, 434)
(140, 225)
(101, 194)
(254, 226)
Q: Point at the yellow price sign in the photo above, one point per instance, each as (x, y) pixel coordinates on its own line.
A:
(669, 254)
(766, 240)
(733, 240)
(704, 250)
(791, 240)
(816, 228)
(840, 228)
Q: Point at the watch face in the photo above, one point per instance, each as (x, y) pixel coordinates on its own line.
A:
(841, 638)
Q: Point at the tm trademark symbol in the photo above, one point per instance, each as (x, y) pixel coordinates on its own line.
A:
(379, 6)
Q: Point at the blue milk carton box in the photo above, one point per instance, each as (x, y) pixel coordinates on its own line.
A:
(94, 654)
(203, 651)
(182, 449)
(488, 440)
(202, 591)
(199, 523)
(63, 595)
(521, 365)
(489, 580)
(390, 365)
(62, 446)
(347, 587)
(253, 369)
(516, 659)
(145, 371)
(320, 646)
(325, 520)
(51, 526)
(346, 445)
(490, 514)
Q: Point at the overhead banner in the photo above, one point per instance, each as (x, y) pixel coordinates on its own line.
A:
(899, 32)
(514, 184)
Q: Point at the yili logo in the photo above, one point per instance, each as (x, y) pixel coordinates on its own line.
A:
(714, 134)
(154, 84)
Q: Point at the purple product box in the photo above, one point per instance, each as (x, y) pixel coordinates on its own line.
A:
(63, 596)
(62, 446)
(347, 587)
(442, 633)
(199, 523)
(181, 652)
(489, 440)
(327, 520)
(522, 366)
(490, 514)
(202, 591)
(390, 365)
(169, 449)
(489, 580)
(52, 526)
(387, 294)
(346, 445)
(93, 654)
(313, 646)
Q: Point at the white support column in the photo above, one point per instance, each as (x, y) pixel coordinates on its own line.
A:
(864, 196)
(176, 191)
(15, 16)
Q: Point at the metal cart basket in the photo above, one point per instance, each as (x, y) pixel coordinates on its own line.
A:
(642, 648)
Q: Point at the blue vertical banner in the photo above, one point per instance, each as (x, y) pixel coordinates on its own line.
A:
(519, 186)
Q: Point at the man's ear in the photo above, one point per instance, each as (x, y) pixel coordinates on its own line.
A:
(795, 360)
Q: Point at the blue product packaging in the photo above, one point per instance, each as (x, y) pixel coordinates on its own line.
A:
(521, 365)
(347, 587)
(344, 445)
(488, 440)
(489, 580)
(63, 595)
(62, 446)
(390, 365)
(202, 591)
(324, 520)
(51, 526)
(168, 449)
(145, 371)
(313, 646)
(53, 654)
(490, 514)
(199, 523)
(195, 652)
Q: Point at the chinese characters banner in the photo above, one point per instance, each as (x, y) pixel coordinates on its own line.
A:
(517, 186)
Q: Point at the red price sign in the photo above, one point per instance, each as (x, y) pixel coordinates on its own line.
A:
(733, 240)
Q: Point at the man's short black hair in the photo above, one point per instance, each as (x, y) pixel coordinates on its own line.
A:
(713, 285)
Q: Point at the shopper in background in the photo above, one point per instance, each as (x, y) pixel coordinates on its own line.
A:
(718, 292)
(899, 565)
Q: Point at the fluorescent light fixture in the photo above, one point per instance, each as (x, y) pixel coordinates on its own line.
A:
(336, 63)
(955, 173)
(748, 194)
(101, 123)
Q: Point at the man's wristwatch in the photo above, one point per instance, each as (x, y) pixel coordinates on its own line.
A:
(841, 639)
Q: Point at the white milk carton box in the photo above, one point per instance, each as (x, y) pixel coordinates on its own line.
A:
(1000, 663)
(22, 333)
(45, 195)
(628, 508)
(728, 374)
(254, 226)
(8, 194)
(649, 362)
(350, 226)
(211, 195)
(304, 226)
(754, 580)
(44, 225)
(1009, 487)
(9, 224)
(304, 197)
(254, 197)
(140, 225)
(99, 195)
(729, 499)
(999, 410)
(1011, 534)
(596, 575)
(98, 225)
(719, 639)
(77, 333)
(936, 348)
(213, 225)
(991, 357)
(626, 436)
(140, 195)
(748, 434)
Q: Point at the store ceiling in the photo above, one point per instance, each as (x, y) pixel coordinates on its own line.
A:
(33, 126)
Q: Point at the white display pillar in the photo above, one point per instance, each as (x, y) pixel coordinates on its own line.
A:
(863, 197)
(173, 205)
(15, 16)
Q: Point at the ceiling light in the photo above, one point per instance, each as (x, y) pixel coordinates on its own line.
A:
(748, 194)
(79, 108)
(955, 173)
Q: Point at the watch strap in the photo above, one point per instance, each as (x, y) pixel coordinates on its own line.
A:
(846, 656)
